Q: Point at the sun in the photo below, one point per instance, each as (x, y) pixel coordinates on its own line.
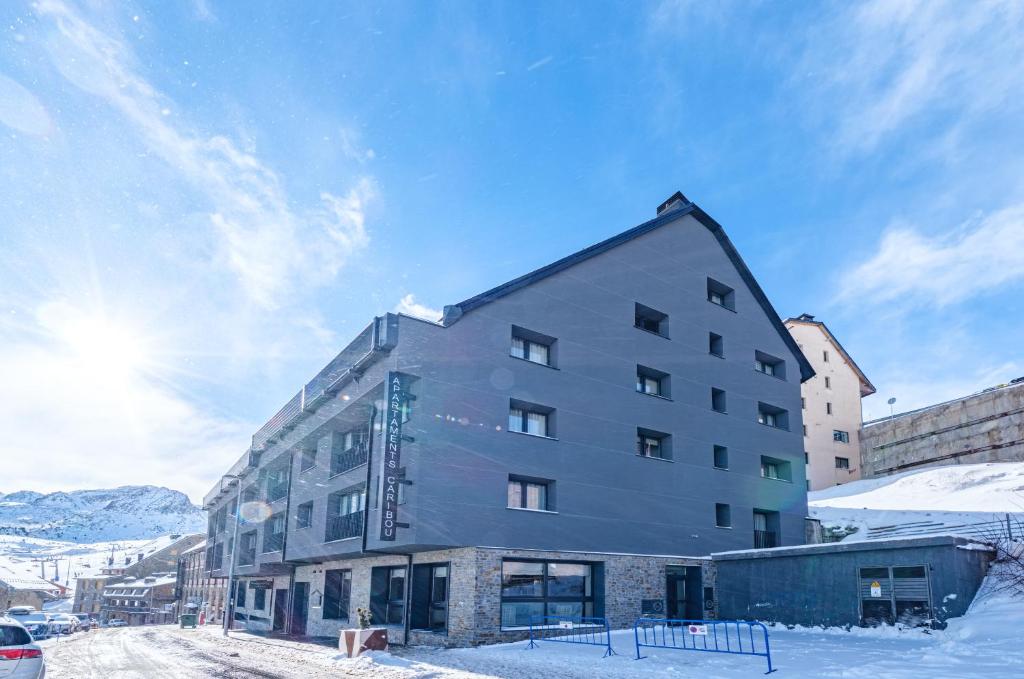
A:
(99, 346)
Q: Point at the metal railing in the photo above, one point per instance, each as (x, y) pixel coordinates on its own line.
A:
(348, 459)
(570, 630)
(765, 539)
(736, 637)
(341, 527)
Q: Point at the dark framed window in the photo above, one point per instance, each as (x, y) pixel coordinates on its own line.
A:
(273, 533)
(259, 599)
(650, 443)
(828, 382)
(774, 468)
(828, 407)
(772, 416)
(716, 345)
(721, 294)
(718, 400)
(545, 588)
(650, 320)
(240, 588)
(723, 515)
(530, 418)
(348, 451)
(769, 365)
(387, 594)
(840, 436)
(337, 594)
(721, 457)
(345, 514)
(532, 346)
(304, 515)
(430, 597)
(529, 493)
(653, 382)
(277, 484)
(842, 463)
(308, 460)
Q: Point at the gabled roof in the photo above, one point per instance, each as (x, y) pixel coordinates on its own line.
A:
(672, 209)
(866, 388)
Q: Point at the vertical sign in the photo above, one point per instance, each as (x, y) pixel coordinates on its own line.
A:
(392, 455)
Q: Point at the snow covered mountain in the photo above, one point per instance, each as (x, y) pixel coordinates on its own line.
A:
(85, 516)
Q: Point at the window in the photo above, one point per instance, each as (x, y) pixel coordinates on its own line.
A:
(718, 400)
(807, 458)
(304, 515)
(723, 516)
(828, 407)
(308, 460)
(803, 403)
(239, 594)
(769, 365)
(532, 346)
(537, 588)
(277, 484)
(249, 494)
(430, 597)
(652, 382)
(527, 418)
(396, 596)
(828, 382)
(824, 356)
(716, 345)
(773, 468)
(840, 436)
(772, 416)
(651, 320)
(273, 533)
(721, 294)
(842, 463)
(259, 599)
(247, 555)
(721, 454)
(528, 494)
(805, 429)
(766, 529)
(337, 592)
(345, 514)
(650, 443)
(348, 451)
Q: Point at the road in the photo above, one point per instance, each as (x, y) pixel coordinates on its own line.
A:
(166, 652)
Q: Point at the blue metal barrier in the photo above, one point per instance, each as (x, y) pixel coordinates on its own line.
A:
(737, 637)
(571, 630)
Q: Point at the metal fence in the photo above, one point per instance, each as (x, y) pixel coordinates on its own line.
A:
(737, 637)
(571, 630)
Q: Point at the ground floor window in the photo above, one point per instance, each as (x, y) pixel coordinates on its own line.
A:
(387, 595)
(430, 597)
(895, 594)
(259, 599)
(545, 588)
(239, 594)
(337, 593)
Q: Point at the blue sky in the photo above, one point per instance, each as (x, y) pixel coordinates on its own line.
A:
(202, 202)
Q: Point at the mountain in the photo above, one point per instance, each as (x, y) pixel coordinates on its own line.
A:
(125, 513)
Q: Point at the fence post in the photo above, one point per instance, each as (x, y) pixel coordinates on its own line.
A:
(608, 638)
(636, 638)
(767, 649)
(531, 644)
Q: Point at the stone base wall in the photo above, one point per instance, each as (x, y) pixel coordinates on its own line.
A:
(474, 590)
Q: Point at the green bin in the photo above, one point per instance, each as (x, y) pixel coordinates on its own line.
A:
(188, 620)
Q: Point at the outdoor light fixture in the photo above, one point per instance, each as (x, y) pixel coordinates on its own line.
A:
(317, 599)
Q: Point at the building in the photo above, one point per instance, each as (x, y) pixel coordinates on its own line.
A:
(831, 403)
(141, 601)
(983, 427)
(160, 557)
(21, 589)
(197, 592)
(912, 581)
(573, 442)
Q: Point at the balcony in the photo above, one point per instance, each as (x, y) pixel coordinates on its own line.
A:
(273, 542)
(346, 460)
(342, 527)
(765, 539)
(247, 557)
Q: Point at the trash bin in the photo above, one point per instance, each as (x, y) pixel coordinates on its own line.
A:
(188, 620)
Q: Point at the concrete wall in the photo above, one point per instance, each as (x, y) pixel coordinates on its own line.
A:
(985, 427)
(844, 393)
(819, 585)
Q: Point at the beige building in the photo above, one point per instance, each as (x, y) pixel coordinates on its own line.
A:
(831, 405)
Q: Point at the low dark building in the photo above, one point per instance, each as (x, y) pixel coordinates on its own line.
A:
(913, 581)
(197, 591)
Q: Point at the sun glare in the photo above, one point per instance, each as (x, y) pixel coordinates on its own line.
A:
(103, 347)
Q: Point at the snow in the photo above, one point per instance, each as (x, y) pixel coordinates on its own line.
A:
(938, 500)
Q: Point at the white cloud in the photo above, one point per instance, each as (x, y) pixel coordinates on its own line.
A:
(909, 266)
(271, 246)
(875, 69)
(408, 305)
(20, 110)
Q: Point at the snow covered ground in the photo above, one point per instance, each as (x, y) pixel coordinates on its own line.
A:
(949, 496)
(985, 643)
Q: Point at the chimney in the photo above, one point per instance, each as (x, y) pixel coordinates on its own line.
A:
(805, 317)
(675, 201)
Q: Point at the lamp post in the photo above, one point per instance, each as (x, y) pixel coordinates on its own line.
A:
(891, 402)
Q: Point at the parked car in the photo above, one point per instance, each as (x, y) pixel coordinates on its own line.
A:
(20, 657)
(117, 623)
(64, 623)
(36, 622)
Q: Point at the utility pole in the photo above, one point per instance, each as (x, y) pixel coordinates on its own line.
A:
(229, 604)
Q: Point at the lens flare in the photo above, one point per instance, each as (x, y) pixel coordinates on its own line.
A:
(254, 512)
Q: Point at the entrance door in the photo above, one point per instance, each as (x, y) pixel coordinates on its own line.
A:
(676, 592)
(300, 606)
(280, 608)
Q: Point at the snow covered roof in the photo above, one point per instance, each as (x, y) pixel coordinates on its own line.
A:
(832, 547)
(23, 581)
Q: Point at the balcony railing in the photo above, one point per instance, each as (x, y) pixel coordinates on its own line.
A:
(273, 542)
(247, 557)
(765, 539)
(348, 459)
(341, 527)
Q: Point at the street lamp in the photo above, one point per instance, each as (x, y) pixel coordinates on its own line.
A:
(234, 549)
(891, 402)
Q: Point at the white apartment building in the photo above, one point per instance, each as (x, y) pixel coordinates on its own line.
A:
(831, 405)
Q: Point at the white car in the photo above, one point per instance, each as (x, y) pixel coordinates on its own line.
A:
(64, 623)
(20, 657)
(117, 623)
